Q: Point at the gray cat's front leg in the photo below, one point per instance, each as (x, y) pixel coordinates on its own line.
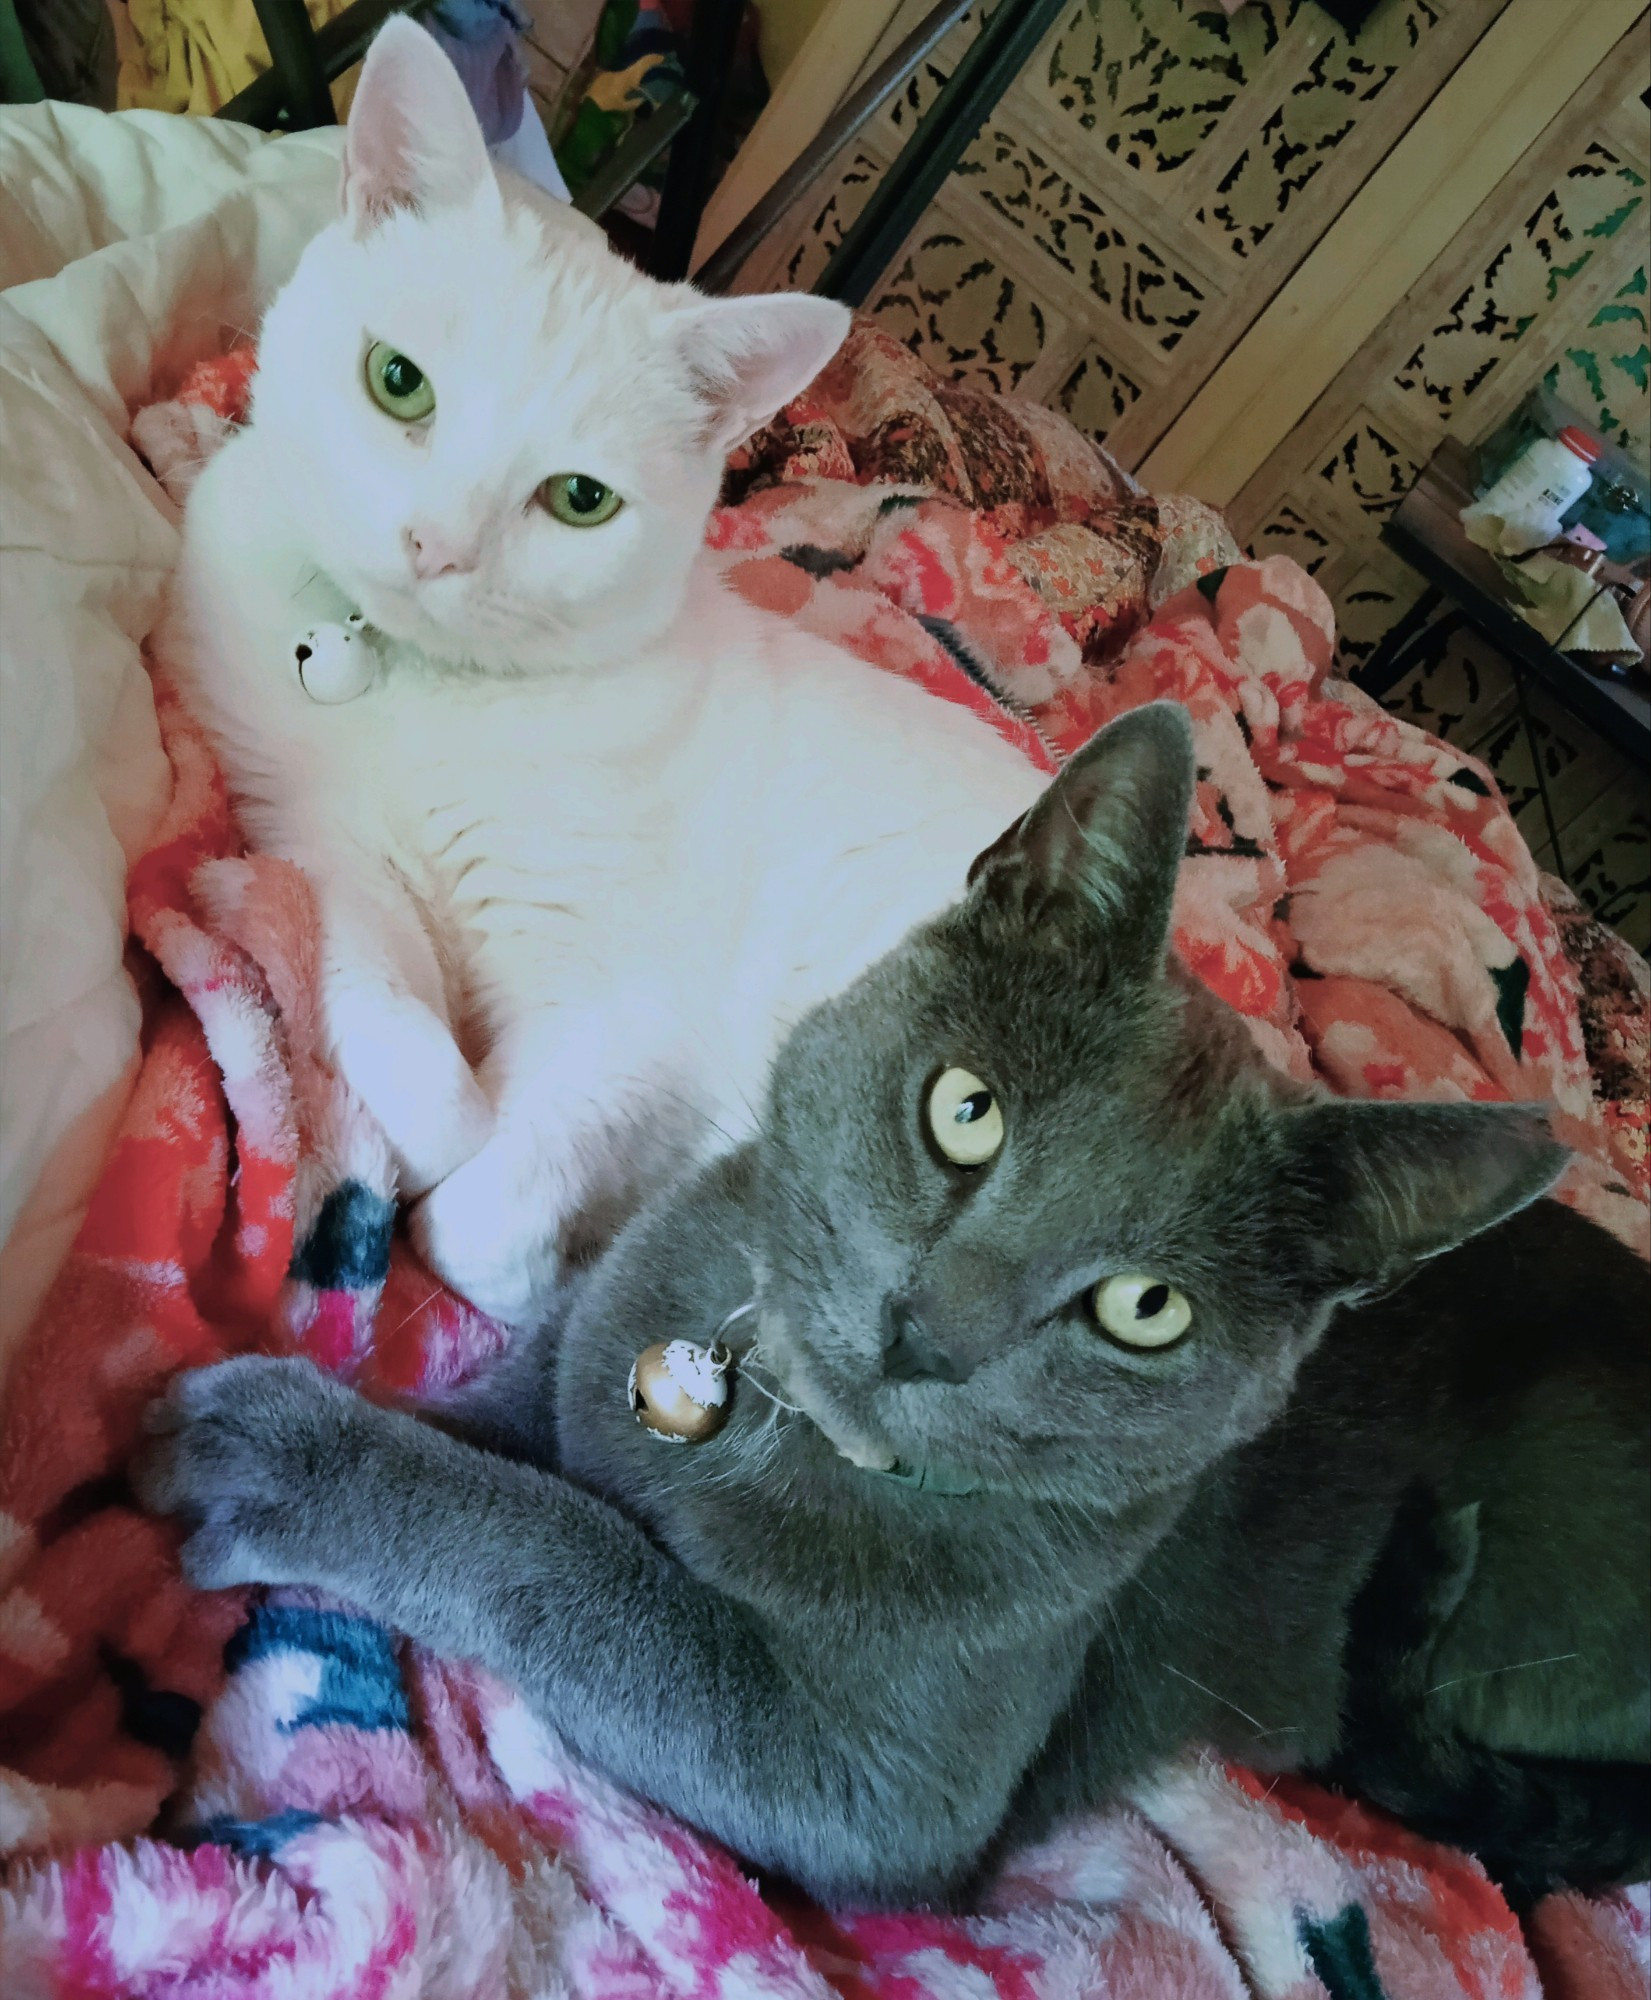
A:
(285, 1476)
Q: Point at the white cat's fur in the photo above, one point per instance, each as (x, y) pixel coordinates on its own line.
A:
(622, 823)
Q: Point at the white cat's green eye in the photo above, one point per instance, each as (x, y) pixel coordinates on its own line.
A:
(965, 1118)
(399, 386)
(577, 500)
(1140, 1311)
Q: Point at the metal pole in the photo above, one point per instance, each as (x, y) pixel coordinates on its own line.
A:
(297, 62)
(340, 43)
(992, 61)
(725, 260)
(688, 178)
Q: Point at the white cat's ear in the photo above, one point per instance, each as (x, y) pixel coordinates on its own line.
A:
(413, 140)
(1104, 843)
(750, 356)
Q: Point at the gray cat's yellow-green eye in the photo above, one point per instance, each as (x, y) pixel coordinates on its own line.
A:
(399, 387)
(1141, 1311)
(577, 500)
(965, 1118)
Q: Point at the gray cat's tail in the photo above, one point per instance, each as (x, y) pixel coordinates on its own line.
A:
(1537, 1823)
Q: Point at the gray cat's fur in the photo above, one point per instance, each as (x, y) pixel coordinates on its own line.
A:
(864, 1685)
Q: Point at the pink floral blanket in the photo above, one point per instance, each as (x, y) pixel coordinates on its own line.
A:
(271, 1796)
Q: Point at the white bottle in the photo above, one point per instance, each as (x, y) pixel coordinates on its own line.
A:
(1522, 510)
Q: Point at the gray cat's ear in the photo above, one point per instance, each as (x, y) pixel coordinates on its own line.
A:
(413, 140)
(1396, 1183)
(1107, 837)
(750, 356)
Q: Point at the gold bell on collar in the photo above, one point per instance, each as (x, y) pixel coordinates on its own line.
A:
(679, 1391)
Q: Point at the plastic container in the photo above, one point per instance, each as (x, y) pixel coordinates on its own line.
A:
(1523, 509)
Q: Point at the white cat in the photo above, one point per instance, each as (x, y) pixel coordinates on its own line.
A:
(595, 817)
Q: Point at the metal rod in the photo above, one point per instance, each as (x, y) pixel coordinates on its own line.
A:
(296, 60)
(1535, 749)
(844, 124)
(995, 57)
(629, 160)
(711, 47)
(340, 43)
(1390, 660)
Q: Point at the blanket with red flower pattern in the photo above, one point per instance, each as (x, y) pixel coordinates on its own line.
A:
(237, 1796)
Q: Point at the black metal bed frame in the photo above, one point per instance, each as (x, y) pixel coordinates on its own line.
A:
(294, 95)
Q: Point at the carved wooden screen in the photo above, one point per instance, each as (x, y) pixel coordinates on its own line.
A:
(1546, 284)
(1144, 190)
(1141, 192)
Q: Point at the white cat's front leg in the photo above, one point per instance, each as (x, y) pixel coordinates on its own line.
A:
(387, 1026)
(493, 1228)
(591, 1117)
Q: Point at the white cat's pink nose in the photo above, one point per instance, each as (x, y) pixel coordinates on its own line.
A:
(434, 552)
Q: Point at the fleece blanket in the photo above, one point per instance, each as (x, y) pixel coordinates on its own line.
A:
(266, 1794)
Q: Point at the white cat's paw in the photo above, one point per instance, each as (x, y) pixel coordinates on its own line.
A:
(336, 662)
(400, 1060)
(435, 1136)
(488, 1231)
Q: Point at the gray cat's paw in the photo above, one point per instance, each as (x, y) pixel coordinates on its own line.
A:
(245, 1453)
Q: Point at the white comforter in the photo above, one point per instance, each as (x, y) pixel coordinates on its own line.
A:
(128, 245)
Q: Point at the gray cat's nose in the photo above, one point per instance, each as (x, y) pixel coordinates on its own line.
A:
(909, 1355)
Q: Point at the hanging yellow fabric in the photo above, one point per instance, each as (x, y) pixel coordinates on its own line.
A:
(193, 55)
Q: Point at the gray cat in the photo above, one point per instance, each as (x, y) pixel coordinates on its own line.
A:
(1080, 1417)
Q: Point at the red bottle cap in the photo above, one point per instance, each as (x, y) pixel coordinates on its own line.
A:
(1579, 442)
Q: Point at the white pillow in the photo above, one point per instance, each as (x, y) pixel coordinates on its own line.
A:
(130, 246)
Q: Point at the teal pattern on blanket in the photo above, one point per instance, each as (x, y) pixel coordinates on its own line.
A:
(348, 1246)
(1512, 982)
(360, 1681)
(1340, 1952)
(255, 1839)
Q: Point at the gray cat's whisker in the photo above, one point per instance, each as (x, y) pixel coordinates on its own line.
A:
(1243, 1713)
(407, 1318)
(803, 1196)
(750, 1372)
(1514, 1667)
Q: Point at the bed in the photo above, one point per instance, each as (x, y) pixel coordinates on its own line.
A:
(269, 1795)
